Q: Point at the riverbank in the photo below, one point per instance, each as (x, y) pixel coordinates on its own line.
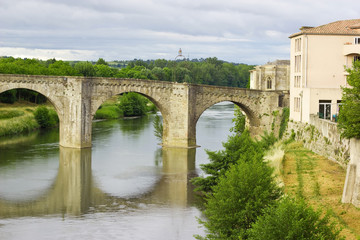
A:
(319, 181)
(17, 118)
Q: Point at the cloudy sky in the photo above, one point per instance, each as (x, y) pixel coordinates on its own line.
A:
(251, 31)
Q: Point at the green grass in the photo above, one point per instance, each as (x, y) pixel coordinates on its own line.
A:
(25, 123)
(108, 112)
(7, 114)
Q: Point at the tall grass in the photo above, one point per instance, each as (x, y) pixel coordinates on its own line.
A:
(6, 114)
(25, 123)
(275, 156)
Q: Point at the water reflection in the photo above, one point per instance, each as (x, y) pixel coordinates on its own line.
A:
(74, 191)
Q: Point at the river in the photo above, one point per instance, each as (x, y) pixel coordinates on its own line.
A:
(125, 187)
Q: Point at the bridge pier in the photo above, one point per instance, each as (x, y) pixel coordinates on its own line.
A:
(76, 119)
(179, 131)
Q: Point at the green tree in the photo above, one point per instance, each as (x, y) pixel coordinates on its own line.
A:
(291, 220)
(237, 148)
(8, 96)
(133, 104)
(239, 120)
(349, 117)
(101, 61)
(240, 197)
(85, 69)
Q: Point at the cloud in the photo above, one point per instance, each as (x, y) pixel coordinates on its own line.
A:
(232, 30)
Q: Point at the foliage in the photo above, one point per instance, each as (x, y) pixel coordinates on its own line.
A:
(8, 96)
(239, 120)
(158, 128)
(237, 148)
(349, 117)
(239, 198)
(45, 118)
(209, 71)
(133, 104)
(284, 121)
(85, 68)
(293, 220)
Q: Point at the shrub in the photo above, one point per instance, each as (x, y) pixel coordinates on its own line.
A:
(108, 112)
(239, 198)
(45, 117)
(293, 220)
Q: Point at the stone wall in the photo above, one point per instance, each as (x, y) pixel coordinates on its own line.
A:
(322, 137)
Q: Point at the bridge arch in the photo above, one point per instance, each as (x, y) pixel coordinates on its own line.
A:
(99, 102)
(250, 113)
(54, 102)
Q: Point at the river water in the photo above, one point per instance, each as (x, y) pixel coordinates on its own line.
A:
(125, 187)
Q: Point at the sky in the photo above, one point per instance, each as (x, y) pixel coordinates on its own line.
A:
(250, 32)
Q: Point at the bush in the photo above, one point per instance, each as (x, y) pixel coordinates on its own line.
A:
(133, 104)
(45, 118)
(239, 198)
(293, 220)
(108, 112)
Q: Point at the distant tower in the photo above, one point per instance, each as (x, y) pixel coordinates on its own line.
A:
(180, 54)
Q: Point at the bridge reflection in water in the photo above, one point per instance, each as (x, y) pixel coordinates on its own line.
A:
(74, 191)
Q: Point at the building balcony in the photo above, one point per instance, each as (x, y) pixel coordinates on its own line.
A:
(350, 49)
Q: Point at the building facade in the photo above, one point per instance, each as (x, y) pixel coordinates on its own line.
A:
(319, 56)
(271, 76)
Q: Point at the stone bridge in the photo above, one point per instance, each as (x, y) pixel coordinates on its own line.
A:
(76, 100)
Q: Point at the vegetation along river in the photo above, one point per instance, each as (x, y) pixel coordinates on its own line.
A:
(125, 187)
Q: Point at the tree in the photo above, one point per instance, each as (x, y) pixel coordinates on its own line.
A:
(133, 104)
(85, 68)
(101, 61)
(238, 148)
(294, 221)
(349, 117)
(240, 197)
(239, 120)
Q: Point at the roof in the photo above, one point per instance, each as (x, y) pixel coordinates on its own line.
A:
(343, 27)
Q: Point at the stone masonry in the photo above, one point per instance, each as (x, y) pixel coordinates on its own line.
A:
(76, 100)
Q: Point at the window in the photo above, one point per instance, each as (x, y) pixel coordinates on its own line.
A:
(296, 104)
(297, 81)
(268, 83)
(357, 40)
(325, 109)
(298, 63)
(357, 58)
(298, 45)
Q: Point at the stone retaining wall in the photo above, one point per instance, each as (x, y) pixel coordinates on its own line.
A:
(322, 137)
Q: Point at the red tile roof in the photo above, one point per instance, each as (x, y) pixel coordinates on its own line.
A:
(343, 27)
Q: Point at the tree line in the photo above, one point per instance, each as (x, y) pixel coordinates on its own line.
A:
(211, 71)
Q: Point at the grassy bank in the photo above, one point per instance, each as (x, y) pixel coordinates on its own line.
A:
(320, 183)
(17, 119)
